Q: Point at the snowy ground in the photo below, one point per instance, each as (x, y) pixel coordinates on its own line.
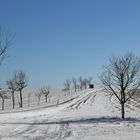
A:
(91, 115)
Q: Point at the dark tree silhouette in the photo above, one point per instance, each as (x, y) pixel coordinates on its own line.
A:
(3, 96)
(74, 81)
(67, 86)
(122, 78)
(45, 91)
(80, 80)
(21, 83)
(85, 83)
(12, 87)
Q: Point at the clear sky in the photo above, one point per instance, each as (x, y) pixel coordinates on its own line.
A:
(58, 39)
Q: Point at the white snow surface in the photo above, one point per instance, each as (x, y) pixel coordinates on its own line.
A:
(90, 115)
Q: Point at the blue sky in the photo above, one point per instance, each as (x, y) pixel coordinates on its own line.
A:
(58, 39)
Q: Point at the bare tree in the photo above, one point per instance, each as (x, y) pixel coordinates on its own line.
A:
(80, 80)
(67, 86)
(3, 96)
(85, 83)
(82, 83)
(12, 87)
(74, 81)
(21, 83)
(38, 95)
(45, 92)
(122, 78)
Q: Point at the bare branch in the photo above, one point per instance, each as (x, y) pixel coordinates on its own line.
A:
(5, 41)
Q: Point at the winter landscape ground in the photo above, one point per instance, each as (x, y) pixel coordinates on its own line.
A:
(88, 115)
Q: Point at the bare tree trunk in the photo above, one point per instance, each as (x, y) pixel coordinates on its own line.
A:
(21, 98)
(123, 114)
(2, 104)
(46, 97)
(29, 95)
(13, 99)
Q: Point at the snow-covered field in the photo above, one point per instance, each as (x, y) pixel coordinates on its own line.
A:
(90, 115)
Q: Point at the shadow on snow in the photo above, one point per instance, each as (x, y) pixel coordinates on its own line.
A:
(79, 121)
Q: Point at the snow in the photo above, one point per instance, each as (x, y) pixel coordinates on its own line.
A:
(90, 115)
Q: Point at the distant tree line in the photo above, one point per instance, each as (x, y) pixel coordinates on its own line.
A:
(77, 84)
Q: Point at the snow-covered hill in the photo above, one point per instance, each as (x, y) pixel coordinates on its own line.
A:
(87, 115)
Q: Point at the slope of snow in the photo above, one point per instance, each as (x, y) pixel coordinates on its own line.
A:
(91, 115)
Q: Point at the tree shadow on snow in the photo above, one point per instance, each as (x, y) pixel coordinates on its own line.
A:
(111, 120)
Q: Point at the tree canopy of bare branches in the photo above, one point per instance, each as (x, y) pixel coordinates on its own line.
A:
(21, 83)
(3, 96)
(67, 85)
(74, 81)
(12, 87)
(5, 41)
(45, 91)
(122, 78)
(80, 80)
